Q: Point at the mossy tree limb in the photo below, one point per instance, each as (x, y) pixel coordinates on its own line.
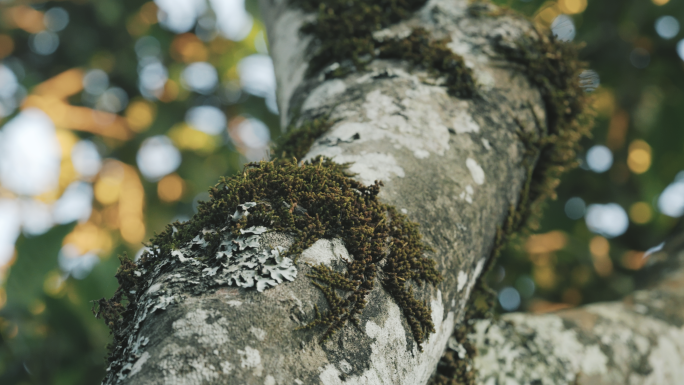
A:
(451, 162)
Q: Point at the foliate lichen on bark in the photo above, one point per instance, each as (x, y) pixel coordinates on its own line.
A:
(222, 245)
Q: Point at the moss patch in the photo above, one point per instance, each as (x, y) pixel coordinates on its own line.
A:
(434, 55)
(343, 31)
(297, 141)
(554, 68)
(313, 201)
(454, 369)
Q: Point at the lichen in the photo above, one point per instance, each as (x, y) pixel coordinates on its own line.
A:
(309, 201)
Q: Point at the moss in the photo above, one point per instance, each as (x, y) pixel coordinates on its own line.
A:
(343, 31)
(434, 55)
(297, 141)
(554, 68)
(453, 369)
(113, 310)
(312, 201)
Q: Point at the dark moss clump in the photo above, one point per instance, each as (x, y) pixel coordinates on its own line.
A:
(344, 34)
(297, 141)
(113, 310)
(434, 55)
(453, 369)
(344, 28)
(553, 66)
(311, 201)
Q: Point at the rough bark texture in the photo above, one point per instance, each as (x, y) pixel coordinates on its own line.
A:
(637, 341)
(453, 165)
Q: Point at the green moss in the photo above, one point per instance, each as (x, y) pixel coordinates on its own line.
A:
(554, 68)
(114, 309)
(452, 369)
(312, 201)
(343, 31)
(434, 55)
(297, 141)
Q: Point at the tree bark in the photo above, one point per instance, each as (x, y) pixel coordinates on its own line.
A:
(639, 340)
(453, 165)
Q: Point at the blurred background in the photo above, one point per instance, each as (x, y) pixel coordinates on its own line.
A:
(117, 115)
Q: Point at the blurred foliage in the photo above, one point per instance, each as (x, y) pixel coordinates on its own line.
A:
(48, 334)
(636, 108)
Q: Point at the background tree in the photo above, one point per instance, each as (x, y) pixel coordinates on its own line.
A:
(629, 45)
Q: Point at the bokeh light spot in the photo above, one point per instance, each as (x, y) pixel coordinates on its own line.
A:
(179, 15)
(157, 157)
(187, 138)
(509, 298)
(572, 7)
(56, 19)
(113, 100)
(680, 49)
(234, 22)
(525, 286)
(74, 263)
(10, 222)
(29, 153)
(609, 220)
(639, 157)
(207, 119)
(76, 203)
(563, 27)
(600, 250)
(107, 190)
(44, 43)
(599, 246)
(86, 158)
(599, 158)
(170, 188)
(640, 213)
(546, 243)
(140, 114)
(667, 27)
(575, 208)
(54, 284)
(95, 81)
(6, 46)
(671, 200)
(200, 77)
(257, 77)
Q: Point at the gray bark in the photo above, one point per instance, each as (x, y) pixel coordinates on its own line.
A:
(453, 165)
(639, 340)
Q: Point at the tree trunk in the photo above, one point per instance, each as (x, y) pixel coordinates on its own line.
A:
(455, 156)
